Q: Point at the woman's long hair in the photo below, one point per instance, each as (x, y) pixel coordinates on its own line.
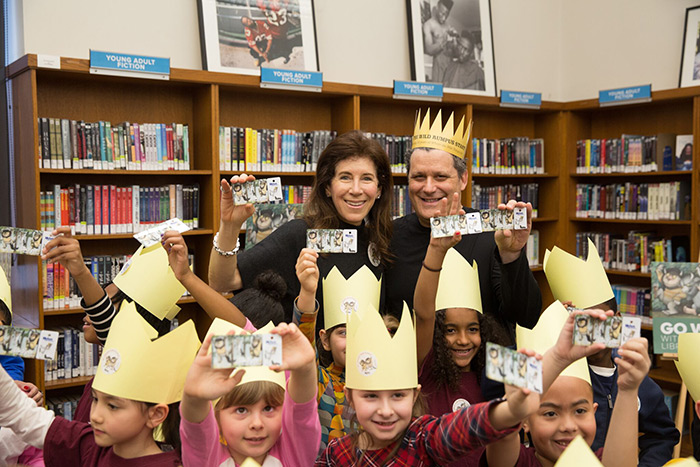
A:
(320, 212)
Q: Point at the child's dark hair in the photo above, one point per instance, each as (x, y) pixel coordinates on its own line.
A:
(325, 357)
(420, 408)
(445, 371)
(170, 428)
(5, 315)
(160, 325)
(261, 303)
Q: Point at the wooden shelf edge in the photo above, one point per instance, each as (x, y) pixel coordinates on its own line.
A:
(67, 382)
(620, 272)
(629, 221)
(545, 175)
(131, 235)
(123, 172)
(79, 311)
(657, 174)
(267, 174)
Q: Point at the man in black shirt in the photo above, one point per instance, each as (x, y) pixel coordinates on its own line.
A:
(437, 170)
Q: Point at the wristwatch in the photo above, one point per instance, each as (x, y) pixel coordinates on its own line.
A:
(233, 252)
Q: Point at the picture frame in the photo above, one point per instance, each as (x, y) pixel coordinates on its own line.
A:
(276, 33)
(451, 42)
(690, 53)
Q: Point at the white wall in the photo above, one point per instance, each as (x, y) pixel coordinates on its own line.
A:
(566, 49)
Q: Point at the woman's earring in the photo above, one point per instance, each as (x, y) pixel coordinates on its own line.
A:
(379, 195)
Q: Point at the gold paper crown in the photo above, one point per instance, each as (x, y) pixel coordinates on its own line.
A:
(149, 281)
(459, 284)
(5, 290)
(375, 361)
(437, 137)
(546, 333)
(578, 454)
(250, 462)
(685, 462)
(583, 283)
(220, 327)
(135, 367)
(343, 296)
(687, 364)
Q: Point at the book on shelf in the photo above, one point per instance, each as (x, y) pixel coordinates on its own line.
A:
(684, 152)
(61, 291)
(74, 357)
(111, 209)
(635, 201)
(532, 249)
(64, 406)
(489, 197)
(76, 144)
(396, 148)
(627, 154)
(508, 156)
(400, 202)
(635, 251)
(271, 150)
(632, 300)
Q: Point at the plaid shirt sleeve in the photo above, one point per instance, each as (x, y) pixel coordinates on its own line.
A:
(446, 438)
(306, 322)
(338, 452)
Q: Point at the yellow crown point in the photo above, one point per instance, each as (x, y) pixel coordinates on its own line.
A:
(459, 284)
(343, 296)
(436, 136)
(5, 290)
(250, 462)
(688, 351)
(584, 283)
(685, 462)
(149, 281)
(578, 454)
(134, 366)
(374, 360)
(546, 333)
(220, 327)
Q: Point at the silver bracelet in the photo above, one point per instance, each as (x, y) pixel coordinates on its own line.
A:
(233, 252)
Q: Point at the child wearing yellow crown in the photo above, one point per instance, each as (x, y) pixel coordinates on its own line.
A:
(450, 341)
(566, 409)
(382, 386)
(585, 285)
(136, 389)
(341, 297)
(687, 364)
(255, 417)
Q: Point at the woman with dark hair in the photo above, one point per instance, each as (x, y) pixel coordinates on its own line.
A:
(351, 190)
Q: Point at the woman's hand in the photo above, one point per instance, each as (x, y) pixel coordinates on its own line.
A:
(233, 215)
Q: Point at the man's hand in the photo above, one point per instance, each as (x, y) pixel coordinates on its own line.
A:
(510, 242)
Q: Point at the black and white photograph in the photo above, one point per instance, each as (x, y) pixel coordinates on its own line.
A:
(241, 36)
(690, 56)
(452, 44)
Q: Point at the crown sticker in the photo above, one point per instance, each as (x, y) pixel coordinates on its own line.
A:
(366, 363)
(349, 305)
(112, 361)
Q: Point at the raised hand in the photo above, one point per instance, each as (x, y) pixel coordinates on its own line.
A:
(445, 243)
(206, 383)
(65, 249)
(297, 352)
(511, 242)
(176, 247)
(232, 214)
(633, 364)
(307, 270)
(522, 402)
(564, 351)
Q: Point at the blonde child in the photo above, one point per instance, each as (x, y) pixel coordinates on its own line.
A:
(254, 418)
(340, 296)
(130, 399)
(567, 408)
(382, 386)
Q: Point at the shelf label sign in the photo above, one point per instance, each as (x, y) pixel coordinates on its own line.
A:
(528, 100)
(667, 329)
(417, 90)
(291, 79)
(118, 64)
(630, 95)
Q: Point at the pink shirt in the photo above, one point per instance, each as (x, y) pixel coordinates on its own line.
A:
(297, 446)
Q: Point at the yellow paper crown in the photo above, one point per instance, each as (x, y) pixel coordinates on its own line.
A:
(5, 290)
(685, 462)
(375, 361)
(578, 454)
(546, 333)
(220, 327)
(149, 281)
(343, 296)
(250, 462)
(135, 367)
(687, 364)
(437, 137)
(583, 283)
(459, 284)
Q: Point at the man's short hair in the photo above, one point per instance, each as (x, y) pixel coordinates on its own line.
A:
(448, 3)
(458, 163)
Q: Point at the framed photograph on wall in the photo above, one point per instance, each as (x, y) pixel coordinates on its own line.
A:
(240, 36)
(690, 55)
(452, 43)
